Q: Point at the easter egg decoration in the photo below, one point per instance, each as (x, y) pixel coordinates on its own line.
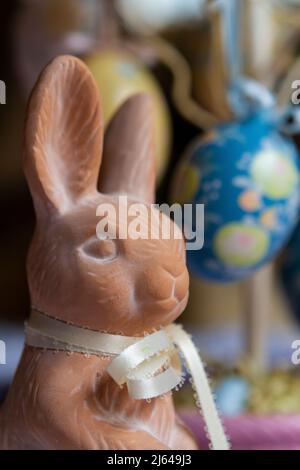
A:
(90, 377)
(247, 176)
(122, 75)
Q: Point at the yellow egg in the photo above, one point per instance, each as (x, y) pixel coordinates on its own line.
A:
(120, 75)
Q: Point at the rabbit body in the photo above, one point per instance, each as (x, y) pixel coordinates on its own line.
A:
(68, 401)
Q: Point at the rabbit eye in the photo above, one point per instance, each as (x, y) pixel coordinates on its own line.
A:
(103, 249)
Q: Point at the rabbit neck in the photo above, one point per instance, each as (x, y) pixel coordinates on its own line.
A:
(106, 397)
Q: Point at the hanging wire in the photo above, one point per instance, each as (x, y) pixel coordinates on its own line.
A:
(182, 84)
(170, 56)
(245, 95)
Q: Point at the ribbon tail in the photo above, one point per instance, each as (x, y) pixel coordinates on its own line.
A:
(195, 365)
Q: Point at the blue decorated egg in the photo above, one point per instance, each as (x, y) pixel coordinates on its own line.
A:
(247, 176)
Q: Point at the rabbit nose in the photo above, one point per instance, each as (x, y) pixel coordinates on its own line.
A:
(162, 285)
(177, 279)
(167, 285)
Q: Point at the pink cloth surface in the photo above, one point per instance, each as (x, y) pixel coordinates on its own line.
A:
(248, 432)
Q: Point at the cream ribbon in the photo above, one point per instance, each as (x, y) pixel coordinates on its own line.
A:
(150, 366)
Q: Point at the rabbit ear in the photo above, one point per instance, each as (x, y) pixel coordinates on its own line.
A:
(128, 159)
(63, 135)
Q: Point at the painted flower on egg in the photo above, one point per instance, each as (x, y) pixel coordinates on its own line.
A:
(247, 177)
(274, 174)
(238, 245)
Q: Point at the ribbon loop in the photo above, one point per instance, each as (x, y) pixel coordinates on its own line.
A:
(136, 354)
(154, 387)
(150, 366)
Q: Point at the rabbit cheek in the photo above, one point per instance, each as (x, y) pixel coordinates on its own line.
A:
(108, 293)
(154, 286)
(154, 292)
(182, 285)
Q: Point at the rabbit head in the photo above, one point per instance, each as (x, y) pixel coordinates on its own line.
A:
(115, 285)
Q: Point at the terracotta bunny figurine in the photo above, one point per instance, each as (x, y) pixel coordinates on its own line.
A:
(69, 401)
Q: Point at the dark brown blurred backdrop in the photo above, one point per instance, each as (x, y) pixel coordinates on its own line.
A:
(17, 217)
(15, 204)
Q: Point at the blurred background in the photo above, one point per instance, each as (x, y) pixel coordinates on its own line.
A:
(182, 52)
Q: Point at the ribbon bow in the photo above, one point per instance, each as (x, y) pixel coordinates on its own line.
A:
(150, 366)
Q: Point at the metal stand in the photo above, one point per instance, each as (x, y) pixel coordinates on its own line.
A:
(257, 321)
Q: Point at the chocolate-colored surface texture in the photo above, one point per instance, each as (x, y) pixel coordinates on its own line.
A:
(68, 401)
